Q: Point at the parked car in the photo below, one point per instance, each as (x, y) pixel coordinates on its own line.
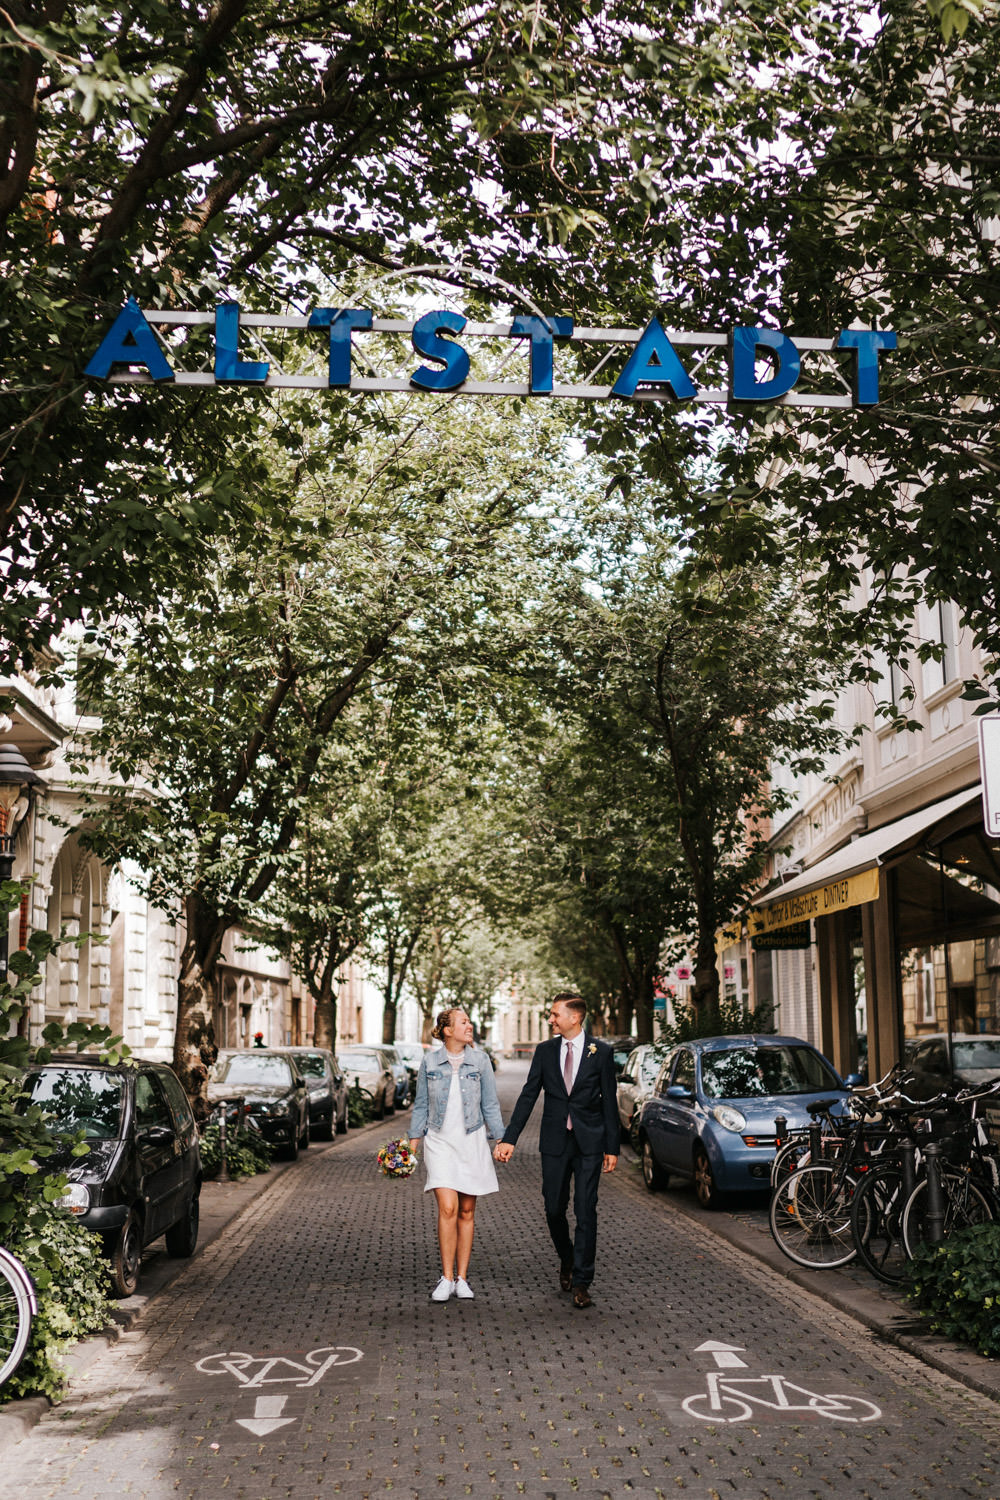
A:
(711, 1114)
(142, 1173)
(404, 1080)
(413, 1054)
(976, 1057)
(268, 1078)
(371, 1069)
(327, 1085)
(635, 1084)
(622, 1047)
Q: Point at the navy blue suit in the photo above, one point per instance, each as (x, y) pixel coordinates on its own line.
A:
(575, 1155)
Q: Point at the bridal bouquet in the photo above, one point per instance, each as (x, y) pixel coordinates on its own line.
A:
(395, 1159)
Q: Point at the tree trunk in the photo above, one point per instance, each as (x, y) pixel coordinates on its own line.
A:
(706, 974)
(389, 1022)
(325, 1019)
(194, 1039)
(427, 1029)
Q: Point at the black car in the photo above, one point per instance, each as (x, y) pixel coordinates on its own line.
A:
(142, 1174)
(268, 1078)
(327, 1087)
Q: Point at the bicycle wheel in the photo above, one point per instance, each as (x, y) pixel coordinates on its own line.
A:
(810, 1217)
(792, 1155)
(729, 1409)
(876, 1223)
(964, 1204)
(839, 1408)
(17, 1306)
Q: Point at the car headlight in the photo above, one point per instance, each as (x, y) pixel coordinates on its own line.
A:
(76, 1198)
(728, 1117)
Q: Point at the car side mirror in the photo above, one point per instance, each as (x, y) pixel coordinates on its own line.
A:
(155, 1135)
(679, 1092)
(854, 1080)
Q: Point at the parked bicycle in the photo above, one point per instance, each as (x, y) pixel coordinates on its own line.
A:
(18, 1307)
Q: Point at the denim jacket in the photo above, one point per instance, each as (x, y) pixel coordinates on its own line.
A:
(479, 1093)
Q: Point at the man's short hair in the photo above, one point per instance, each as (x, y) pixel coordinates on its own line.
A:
(571, 1000)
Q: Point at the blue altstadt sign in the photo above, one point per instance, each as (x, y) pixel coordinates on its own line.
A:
(763, 365)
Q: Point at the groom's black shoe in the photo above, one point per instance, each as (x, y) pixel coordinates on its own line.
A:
(581, 1297)
(566, 1276)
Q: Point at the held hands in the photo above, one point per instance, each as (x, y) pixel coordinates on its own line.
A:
(502, 1151)
(416, 1144)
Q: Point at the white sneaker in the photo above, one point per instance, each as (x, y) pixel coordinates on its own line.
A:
(443, 1290)
(463, 1289)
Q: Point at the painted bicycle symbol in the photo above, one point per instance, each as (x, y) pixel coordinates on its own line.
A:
(254, 1372)
(732, 1398)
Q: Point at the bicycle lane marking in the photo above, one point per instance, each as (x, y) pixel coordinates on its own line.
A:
(728, 1395)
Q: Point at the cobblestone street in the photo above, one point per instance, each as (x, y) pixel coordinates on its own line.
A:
(299, 1356)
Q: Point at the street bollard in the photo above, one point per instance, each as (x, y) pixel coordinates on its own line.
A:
(780, 1131)
(815, 1141)
(223, 1168)
(934, 1215)
(908, 1169)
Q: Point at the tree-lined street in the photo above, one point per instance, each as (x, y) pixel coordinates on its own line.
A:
(299, 1356)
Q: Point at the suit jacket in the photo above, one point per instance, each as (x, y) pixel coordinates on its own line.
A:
(592, 1106)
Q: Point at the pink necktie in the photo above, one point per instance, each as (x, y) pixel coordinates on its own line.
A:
(568, 1079)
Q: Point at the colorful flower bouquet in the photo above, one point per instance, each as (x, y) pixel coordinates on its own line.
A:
(395, 1159)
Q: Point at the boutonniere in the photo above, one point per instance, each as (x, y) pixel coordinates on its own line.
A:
(592, 1048)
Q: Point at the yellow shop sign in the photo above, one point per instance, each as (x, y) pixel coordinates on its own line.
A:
(855, 890)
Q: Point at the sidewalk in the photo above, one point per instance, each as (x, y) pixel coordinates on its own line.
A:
(849, 1289)
(221, 1203)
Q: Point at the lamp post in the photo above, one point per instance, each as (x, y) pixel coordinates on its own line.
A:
(16, 779)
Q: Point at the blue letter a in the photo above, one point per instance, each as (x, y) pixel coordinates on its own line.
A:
(640, 370)
(129, 341)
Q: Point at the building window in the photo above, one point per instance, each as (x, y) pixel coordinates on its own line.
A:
(926, 1010)
(937, 627)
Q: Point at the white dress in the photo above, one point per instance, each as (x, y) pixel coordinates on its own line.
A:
(455, 1158)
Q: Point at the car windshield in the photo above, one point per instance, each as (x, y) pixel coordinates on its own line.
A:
(246, 1068)
(84, 1099)
(977, 1054)
(749, 1072)
(312, 1064)
(364, 1062)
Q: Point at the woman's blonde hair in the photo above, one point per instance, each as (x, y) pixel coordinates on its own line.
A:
(443, 1020)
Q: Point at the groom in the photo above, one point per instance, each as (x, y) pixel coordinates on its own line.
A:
(579, 1136)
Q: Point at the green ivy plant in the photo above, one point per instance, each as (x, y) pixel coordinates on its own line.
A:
(956, 1285)
(246, 1153)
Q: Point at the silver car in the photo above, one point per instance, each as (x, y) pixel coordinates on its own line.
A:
(370, 1067)
(635, 1084)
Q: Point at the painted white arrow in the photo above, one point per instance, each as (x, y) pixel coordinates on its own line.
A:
(726, 1356)
(267, 1416)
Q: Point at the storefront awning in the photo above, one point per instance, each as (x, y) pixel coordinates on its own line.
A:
(850, 876)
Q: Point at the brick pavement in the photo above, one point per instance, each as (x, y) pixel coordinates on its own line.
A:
(516, 1393)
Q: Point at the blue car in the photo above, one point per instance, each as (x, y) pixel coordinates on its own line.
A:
(712, 1111)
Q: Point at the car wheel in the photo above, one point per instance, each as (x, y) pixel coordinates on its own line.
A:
(306, 1135)
(323, 1129)
(182, 1237)
(291, 1148)
(653, 1174)
(342, 1121)
(381, 1106)
(126, 1257)
(633, 1132)
(704, 1180)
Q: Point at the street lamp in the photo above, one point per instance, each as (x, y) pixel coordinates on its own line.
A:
(16, 779)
